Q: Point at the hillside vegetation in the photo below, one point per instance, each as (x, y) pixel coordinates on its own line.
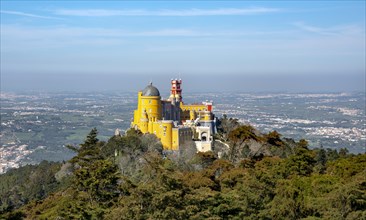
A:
(258, 176)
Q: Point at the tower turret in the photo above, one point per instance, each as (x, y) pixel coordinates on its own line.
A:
(176, 91)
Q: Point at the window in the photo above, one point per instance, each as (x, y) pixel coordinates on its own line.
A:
(149, 101)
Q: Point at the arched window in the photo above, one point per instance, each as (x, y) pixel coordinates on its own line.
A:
(204, 136)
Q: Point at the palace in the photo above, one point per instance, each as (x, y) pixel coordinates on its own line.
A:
(173, 121)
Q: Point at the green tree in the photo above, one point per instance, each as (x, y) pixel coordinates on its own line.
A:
(88, 151)
(94, 176)
(289, 202)
(31, 182)
(274, 138)
(99, 180)
(348, 200)
(321, 159)
(302, 162)
(343, 152)
(91, 141)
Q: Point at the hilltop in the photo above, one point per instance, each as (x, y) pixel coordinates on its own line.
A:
(29, 121)
(249, 175)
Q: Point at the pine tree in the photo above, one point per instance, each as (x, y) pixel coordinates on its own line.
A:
(91, 140)
(94, 177)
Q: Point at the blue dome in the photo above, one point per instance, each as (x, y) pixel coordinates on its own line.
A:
(150, 90)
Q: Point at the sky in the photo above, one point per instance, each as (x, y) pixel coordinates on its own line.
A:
(212, 45)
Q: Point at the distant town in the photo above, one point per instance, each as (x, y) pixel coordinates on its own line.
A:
(37, 127)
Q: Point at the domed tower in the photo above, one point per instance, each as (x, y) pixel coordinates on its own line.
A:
(150, 90)
(148, 109)
(151, 102)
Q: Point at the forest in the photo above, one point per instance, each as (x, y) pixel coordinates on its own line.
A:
(249, 175)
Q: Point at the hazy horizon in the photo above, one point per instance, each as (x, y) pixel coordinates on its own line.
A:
(191, 83)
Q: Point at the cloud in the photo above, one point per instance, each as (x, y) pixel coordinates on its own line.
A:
(85, 49)
(19, 37)
(27, 14)
(55, 36)
(166, 12)
(335, 30)
(58, 32)
(15, 31)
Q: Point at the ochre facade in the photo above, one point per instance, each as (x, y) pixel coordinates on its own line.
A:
(172, 121)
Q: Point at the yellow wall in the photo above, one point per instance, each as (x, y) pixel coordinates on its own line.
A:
(148, 110)
(186, 109)
(152, 105)
(175, 139)
(166, 134)
(143, 125)
(205, 116)
(137, 112)
(156, 127)
(148, 118)
(196, 107)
